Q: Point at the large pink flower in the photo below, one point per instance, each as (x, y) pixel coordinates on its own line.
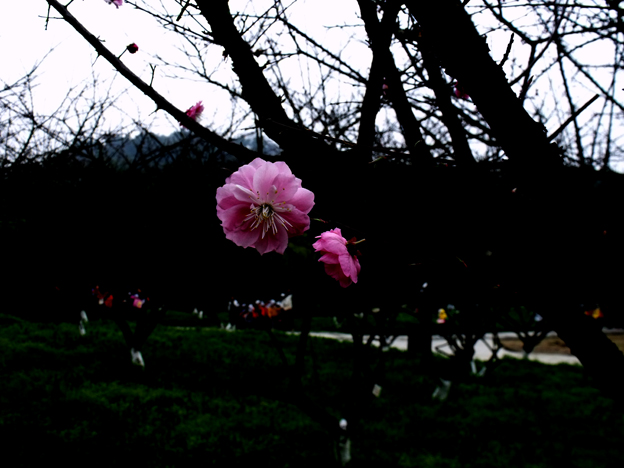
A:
(263, 204)
(340, 264)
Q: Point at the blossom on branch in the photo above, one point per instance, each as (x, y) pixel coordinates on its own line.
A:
(263, 204)
(132, 48)
(194, 112)
(117, 3)
(459, 91)
(340, 264)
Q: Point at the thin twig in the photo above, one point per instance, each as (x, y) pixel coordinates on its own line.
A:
(153, 67)
(183, 10)
(556, 133)
(47, 18)
(160, 101)
(508, 50)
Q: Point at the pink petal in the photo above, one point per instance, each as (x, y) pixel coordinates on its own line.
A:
(283, 168)
(277, 242)
(346, 263)
(284, 188)
(263, 180)
(256, 163)
(244, 237)
(244, 176)
(304, 201)
(336, 246)
(243, 194)
(330, 259)
(299, 221)
(234, 217)
(336, 272)
(226, 198)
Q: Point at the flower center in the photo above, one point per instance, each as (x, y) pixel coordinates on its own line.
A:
(267, 211)
(266, 217)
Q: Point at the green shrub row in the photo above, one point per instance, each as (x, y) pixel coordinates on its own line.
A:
(215, 398)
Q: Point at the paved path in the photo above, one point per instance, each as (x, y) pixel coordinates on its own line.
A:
(482, 352)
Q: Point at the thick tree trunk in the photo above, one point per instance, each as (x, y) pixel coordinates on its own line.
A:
(558, 226)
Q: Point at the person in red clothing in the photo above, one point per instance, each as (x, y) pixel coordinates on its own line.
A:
(103, 298)
(264, 311)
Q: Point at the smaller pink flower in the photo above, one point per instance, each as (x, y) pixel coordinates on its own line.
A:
(117, 3)
(194, 112)
(459, 91)
(132, 48)
(340, 264)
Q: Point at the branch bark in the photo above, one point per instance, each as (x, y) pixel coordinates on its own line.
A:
(383, 66)
(523, 140)
(256, 89)
(545, 260)
(160, 101)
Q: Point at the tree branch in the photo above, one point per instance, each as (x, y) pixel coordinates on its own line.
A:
(380, 36)
(160, 101)
(523, 140)
(256, 90)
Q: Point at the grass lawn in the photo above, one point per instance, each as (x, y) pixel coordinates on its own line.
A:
(209, 397)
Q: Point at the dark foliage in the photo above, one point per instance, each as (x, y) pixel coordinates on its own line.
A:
(219, 398)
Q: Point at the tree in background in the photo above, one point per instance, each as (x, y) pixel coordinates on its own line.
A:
(435, 150)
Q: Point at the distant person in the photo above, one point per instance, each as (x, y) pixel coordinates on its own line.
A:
(287, 319)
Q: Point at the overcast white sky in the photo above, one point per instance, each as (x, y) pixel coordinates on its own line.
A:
(24, 41)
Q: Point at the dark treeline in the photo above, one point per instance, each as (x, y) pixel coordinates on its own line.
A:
(130, 212)
(141, 212)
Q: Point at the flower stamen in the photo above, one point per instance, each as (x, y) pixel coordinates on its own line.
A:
(266, 216)
(265, 208)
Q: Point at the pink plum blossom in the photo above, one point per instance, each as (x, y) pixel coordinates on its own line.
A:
(459, 91)
(340, 264)
(195, 111)
(263, 204)
(117, 3)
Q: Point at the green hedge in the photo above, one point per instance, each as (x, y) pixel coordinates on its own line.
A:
(215, 398)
